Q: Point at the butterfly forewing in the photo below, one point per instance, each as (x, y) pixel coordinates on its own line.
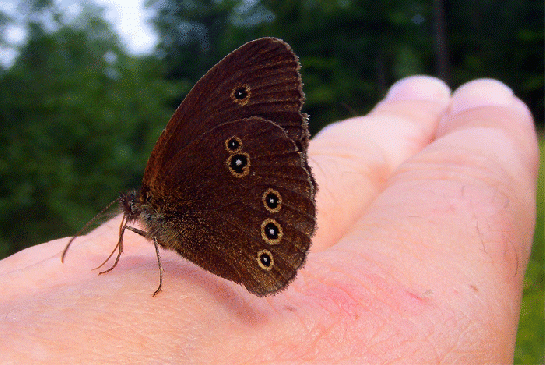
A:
(261, 78)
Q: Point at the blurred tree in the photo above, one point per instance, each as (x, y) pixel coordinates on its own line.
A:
(78, 120)
(502, 40)
(191, 35)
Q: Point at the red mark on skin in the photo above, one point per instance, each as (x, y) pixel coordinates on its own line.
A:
(416, 303)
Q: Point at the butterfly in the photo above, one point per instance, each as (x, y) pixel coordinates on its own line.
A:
(228, 185)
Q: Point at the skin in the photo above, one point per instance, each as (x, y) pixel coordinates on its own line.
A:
(426, 210)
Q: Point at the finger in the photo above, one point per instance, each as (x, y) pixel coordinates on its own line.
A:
(353, 159)
(456, 220)
(491, 133)
(472, 190)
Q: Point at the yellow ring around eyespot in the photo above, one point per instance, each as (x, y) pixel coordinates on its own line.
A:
(269, 254)
(277, 195)
(274, 241)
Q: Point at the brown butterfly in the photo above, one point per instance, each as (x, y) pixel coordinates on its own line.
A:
(228, 185)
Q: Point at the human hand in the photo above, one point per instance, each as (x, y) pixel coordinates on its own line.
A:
(425, 223)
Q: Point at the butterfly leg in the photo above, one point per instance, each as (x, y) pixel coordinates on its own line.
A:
(145, 234)
(139, 231)
(118, 247)
(160, 266)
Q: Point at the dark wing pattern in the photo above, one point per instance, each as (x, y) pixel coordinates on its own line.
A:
(224, 214)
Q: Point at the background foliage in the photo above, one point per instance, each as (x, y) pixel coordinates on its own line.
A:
(79, 115)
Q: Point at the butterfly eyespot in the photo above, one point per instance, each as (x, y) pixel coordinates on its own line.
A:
(272, 200)
(241, 94)
(239, 164)
(265, 259)
(271, 231)
(233, 144)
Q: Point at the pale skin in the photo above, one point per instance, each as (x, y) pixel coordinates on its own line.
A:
(426, 210)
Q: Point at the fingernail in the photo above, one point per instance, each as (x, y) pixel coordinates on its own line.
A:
(486, 92)
(483, 92)
(418, 88)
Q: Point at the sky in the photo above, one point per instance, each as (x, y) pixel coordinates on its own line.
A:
(128, 18)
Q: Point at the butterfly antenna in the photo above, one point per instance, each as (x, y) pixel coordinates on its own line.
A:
(99, 214)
